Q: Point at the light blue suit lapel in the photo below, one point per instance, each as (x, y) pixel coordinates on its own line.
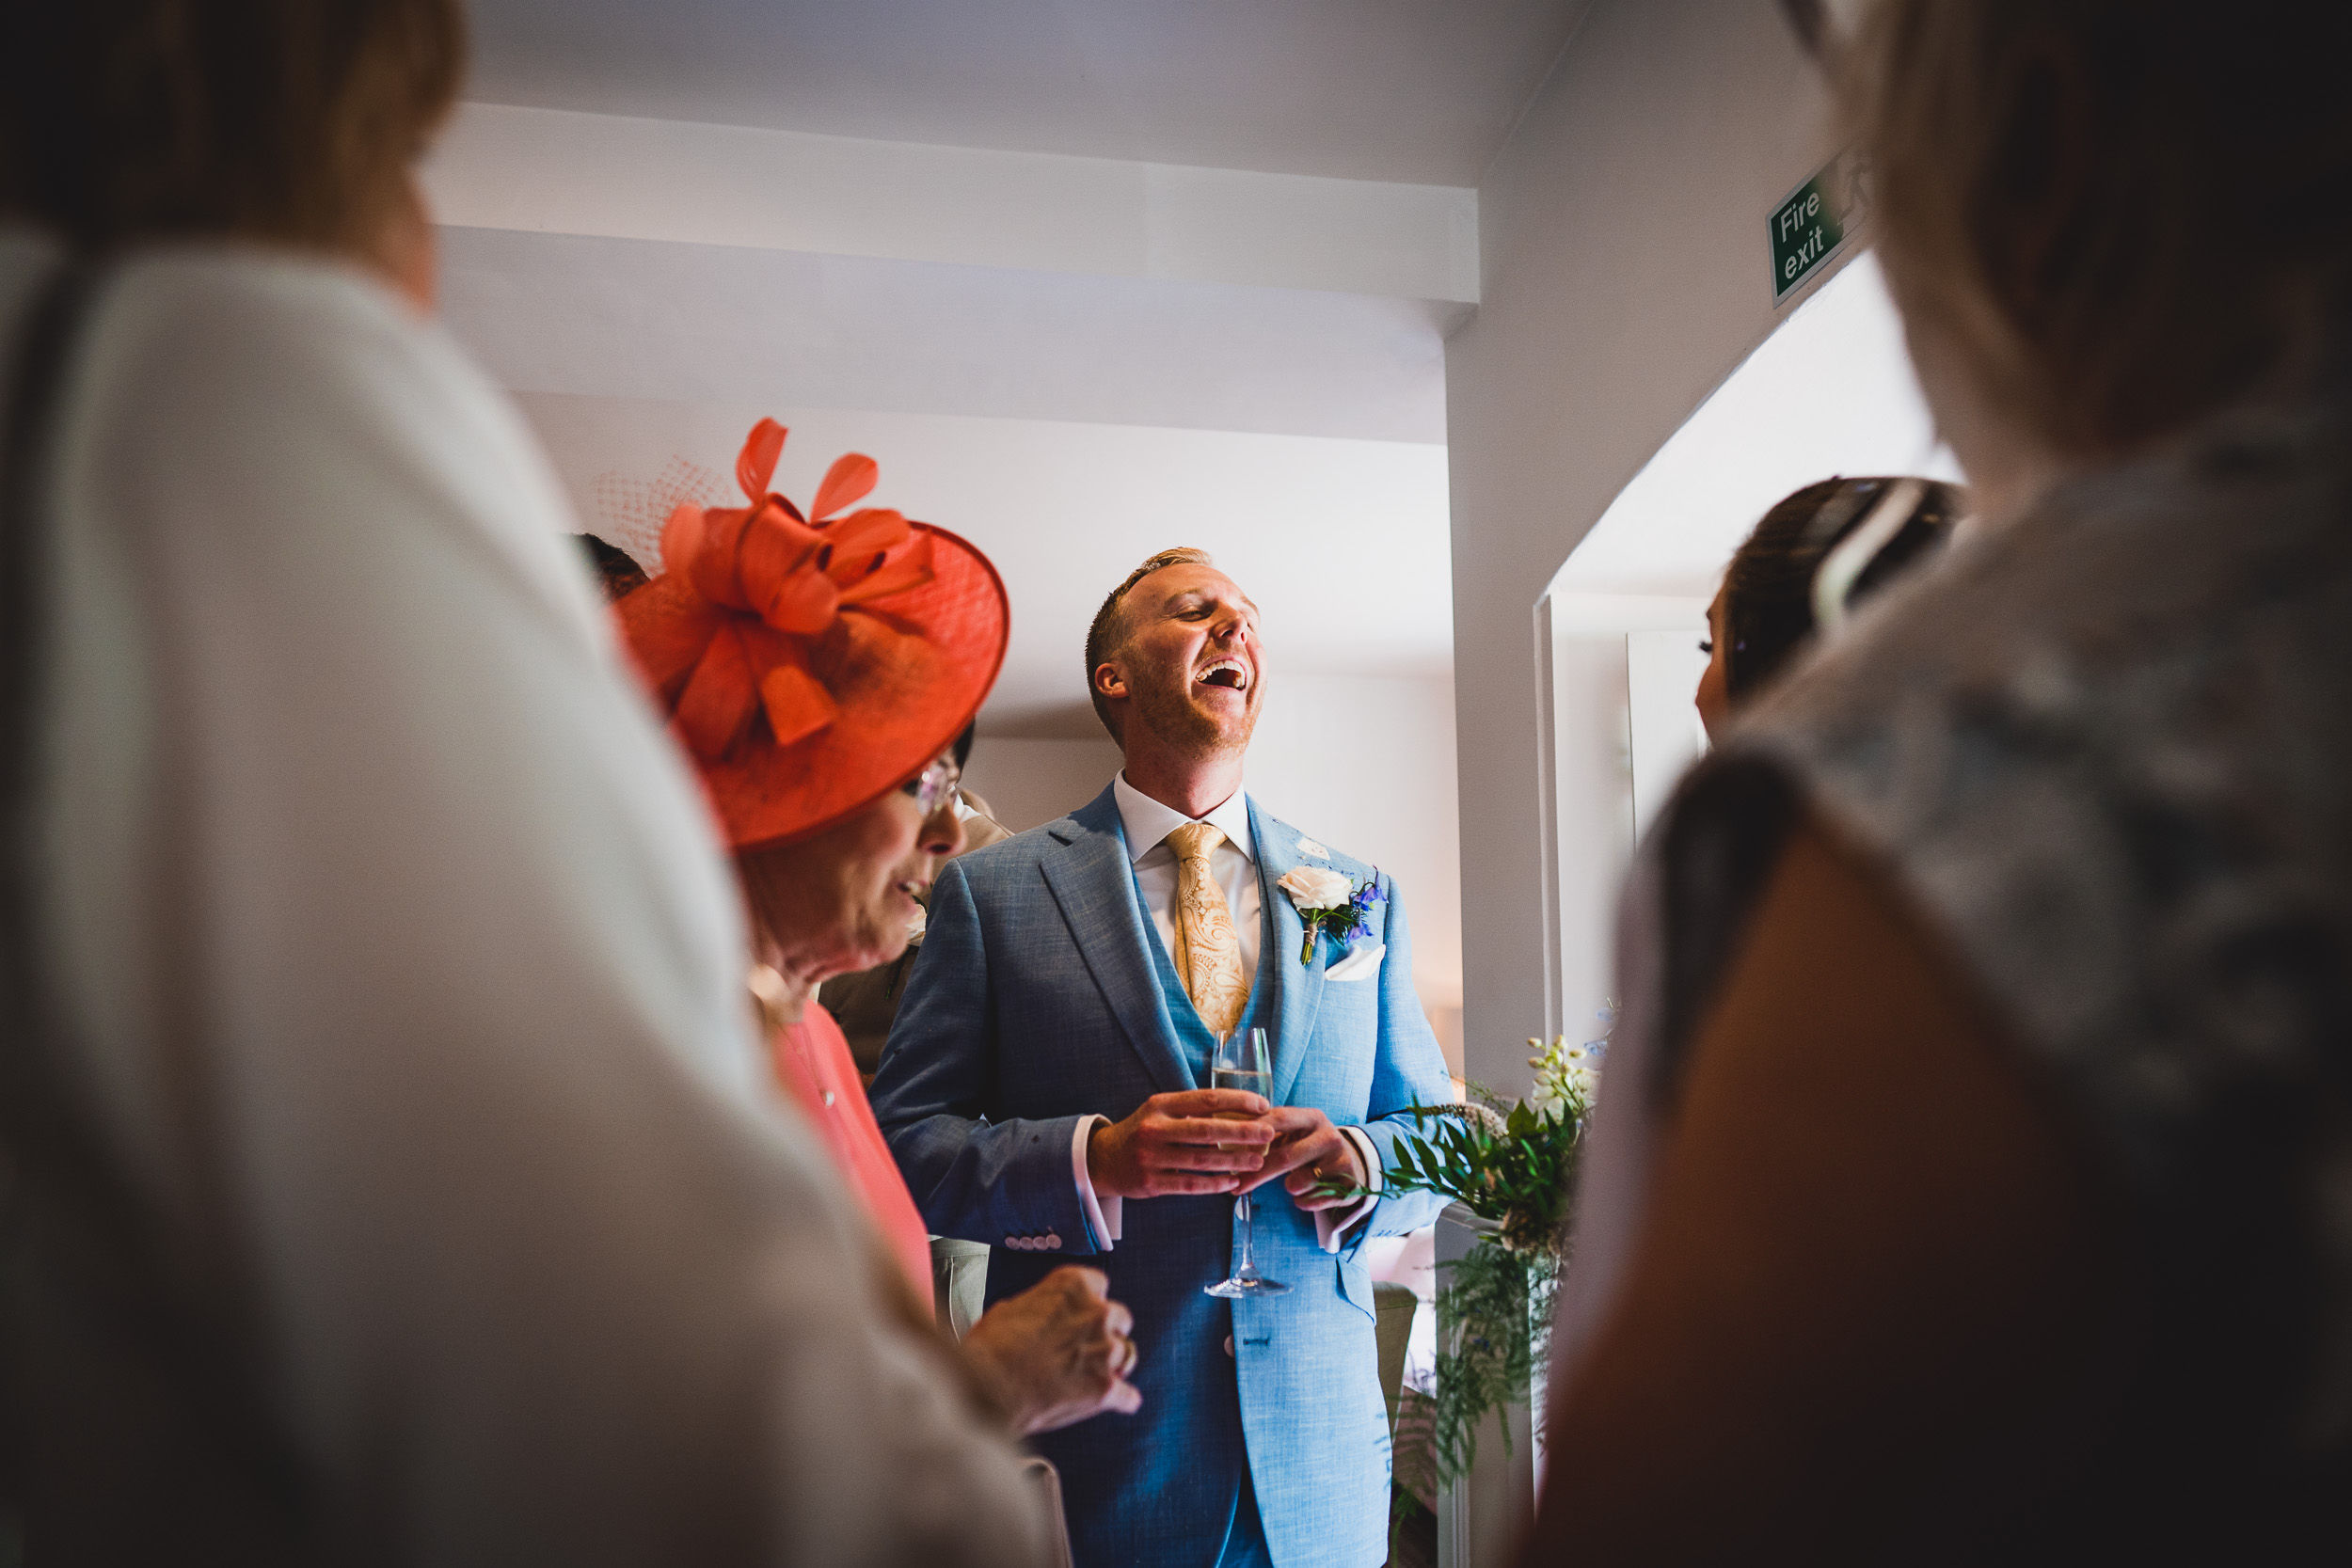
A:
(1094, 884)
(1297, 988)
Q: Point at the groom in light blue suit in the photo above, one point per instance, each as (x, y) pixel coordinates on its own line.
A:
(1043, 1092)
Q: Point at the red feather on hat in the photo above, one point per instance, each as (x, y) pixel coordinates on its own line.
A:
(747, 623)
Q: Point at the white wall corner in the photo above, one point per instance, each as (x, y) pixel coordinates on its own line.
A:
(1627, 270)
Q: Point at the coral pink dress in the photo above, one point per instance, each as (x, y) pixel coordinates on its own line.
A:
(812, 1059)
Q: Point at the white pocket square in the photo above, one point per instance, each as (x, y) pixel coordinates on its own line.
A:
(1362, 963)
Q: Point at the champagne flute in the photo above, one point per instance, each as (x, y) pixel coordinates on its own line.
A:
(1242, 1064)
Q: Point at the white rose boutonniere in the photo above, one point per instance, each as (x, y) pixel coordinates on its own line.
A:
(1329, 904)
(1316, 887)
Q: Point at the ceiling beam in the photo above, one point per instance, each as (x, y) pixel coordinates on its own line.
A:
(610, 176)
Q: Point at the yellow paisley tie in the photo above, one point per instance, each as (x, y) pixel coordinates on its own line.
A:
(1208, 949)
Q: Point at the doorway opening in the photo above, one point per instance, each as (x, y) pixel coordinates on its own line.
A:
(1830, 391)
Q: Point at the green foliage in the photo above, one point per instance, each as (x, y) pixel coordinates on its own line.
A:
(1512, 1164)
(1495, 1318)
(1514, 1167)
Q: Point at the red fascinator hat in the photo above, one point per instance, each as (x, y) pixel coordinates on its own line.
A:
(813, 662)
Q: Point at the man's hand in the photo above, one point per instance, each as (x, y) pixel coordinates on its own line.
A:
(1174, 1144)
(1057, 1352)
(1308, 1148)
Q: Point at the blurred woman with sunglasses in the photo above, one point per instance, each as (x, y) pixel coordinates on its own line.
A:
(1993, 978)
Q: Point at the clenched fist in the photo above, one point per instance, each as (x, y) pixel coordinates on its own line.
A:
(1057, 1352)
(1174, 1144)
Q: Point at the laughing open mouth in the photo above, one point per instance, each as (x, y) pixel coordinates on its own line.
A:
(1230, 673)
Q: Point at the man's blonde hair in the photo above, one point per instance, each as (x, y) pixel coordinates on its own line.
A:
(1108, 633)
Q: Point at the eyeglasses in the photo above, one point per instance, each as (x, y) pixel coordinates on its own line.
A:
(935, 785)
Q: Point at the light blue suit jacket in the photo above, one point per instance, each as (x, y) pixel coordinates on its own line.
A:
(1042, 994)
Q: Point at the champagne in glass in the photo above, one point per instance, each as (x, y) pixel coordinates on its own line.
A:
(1243, 1070)
(1242, 1063)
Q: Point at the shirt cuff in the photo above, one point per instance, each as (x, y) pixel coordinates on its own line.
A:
(1105, 1216)
(1331, 1225)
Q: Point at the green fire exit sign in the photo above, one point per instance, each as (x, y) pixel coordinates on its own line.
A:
(1811, 224)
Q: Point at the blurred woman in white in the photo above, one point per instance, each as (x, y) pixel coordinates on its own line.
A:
(391, 1175)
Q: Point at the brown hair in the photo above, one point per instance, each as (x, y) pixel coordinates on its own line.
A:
(1108, 632)
(285, 120)
(1768, 590)
(616, 570)
(2135, 212)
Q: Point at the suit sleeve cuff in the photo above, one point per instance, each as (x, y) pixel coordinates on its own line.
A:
(1332, 1224)
(1105, 1216)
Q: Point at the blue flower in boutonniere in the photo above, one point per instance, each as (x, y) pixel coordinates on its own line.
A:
(1329, 904)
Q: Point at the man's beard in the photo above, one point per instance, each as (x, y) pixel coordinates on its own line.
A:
(1170, 713)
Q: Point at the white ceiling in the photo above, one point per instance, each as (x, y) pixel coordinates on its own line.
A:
(1406, 91)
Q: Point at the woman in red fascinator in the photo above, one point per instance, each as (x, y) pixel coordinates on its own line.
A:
(823, 669)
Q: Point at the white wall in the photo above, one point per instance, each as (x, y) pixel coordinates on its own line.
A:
(1591, 823)
(1342, 542)
(1665, 735)
(1029, 783)
(1625, 272)
(1365, 764)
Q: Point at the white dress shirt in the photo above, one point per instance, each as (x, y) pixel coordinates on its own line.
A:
(1148, 823)
(397, 953)
(1234, 864)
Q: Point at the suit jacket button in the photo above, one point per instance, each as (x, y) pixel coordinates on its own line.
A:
(1012, 1241)
(1229, 1345)
(1053, 1242)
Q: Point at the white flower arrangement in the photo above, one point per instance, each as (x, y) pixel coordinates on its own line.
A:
(1568, 1077)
